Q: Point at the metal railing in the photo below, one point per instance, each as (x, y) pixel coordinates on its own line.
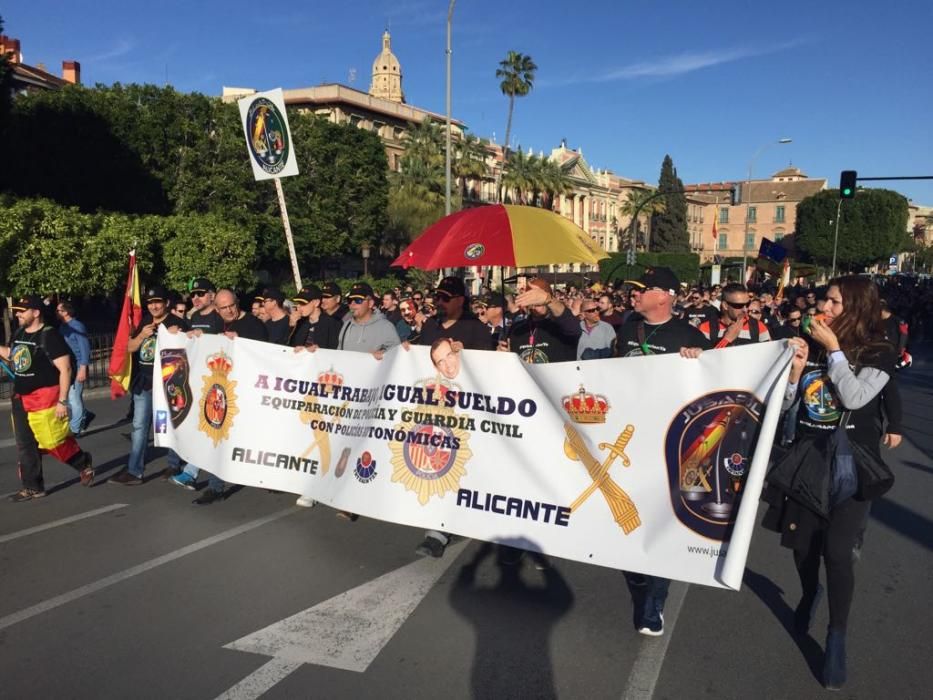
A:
(97, 371)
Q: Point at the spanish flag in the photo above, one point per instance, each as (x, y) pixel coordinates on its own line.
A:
(120, 362)
(715, 230)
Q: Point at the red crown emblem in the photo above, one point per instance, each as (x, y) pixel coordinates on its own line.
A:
(219, 363)
(330, 379)
(584, 407)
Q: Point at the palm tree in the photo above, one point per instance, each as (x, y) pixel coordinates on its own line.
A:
(470, 161)
(555, 182)
(423, 162)
(520, 176)
(637, 201)
(517, 73)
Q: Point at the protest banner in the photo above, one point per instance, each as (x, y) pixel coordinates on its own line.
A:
(650, 464)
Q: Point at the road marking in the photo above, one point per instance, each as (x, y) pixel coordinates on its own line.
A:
(347, 631)
(647, 667)
(63, 521)
(103, 583)
(260, 680)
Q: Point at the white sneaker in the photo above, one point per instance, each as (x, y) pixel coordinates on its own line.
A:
(305, 502)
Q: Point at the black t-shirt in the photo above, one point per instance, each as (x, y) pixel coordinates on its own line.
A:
(247, 326)
(144, 357)
(394, 315)
(31, 355)
(325, 332)
(549, 339)
(820, 410)
(698, 314)
(660, 339)
(469, 330)
(210, 323)
(614, 319)
(278, 330)
(339, 313)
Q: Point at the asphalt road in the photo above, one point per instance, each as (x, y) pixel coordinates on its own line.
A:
(133, 592)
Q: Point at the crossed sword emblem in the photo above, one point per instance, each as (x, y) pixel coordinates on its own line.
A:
(624, 511)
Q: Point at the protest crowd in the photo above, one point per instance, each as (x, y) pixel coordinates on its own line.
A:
(855, 329)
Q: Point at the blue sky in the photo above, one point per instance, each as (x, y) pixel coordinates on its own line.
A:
(849, 82)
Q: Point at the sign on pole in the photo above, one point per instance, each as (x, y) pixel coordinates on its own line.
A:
(268, 138)
(272, 154)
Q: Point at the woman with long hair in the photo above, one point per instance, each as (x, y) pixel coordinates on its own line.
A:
(820, 492)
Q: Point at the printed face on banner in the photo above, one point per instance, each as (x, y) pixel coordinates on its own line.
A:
(708, 447)
(175, 384)
(218, 399)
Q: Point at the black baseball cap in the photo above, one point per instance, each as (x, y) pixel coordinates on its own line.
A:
(360, 290)
(202, 284)
(157, 293)
(306, 294)
(452, 286)
(273, 293)
(29, 301)
(491, 299)
(330, 289)
(660, 277)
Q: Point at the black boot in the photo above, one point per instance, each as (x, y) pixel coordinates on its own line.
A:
(834, 664)
(806, 610)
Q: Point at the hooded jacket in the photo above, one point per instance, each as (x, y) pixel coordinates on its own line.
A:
(378, 333)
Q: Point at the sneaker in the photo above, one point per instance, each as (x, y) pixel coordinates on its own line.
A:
(87, 474)
(653, 628)
(88, 417)
(186, 481)
(26, 495)
(431, 547)
(347, 515)
(305, 502)
(207, 497)
(125, 478)
(169, 472)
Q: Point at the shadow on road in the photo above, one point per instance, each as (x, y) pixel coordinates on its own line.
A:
(906, 522)
(512, 622)
(773, 597)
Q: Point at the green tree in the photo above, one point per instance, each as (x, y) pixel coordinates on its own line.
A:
(6, 89)
(638, 201)
(669, 226)
(554, 182)
(208, 243)
(516, 73)
(521, 177)
(469, 162)
(872, 226)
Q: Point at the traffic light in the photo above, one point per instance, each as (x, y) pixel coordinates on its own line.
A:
(847, 184)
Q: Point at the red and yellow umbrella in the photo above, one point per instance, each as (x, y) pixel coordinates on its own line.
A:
(501, 234)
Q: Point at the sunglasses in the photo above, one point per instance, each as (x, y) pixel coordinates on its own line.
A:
(590, 311)
(444, 296)
(736, 305)
(357, 300)
(794, 320)
(199, 294)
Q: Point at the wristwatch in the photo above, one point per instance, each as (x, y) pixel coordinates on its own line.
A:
(63, 403)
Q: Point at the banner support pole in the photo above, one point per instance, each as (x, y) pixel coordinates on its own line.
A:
(288, 233)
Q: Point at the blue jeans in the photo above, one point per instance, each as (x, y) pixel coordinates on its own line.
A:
(76, 406)
(655, 597)
(142, 425)
(213, 483)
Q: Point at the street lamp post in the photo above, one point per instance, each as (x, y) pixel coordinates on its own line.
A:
(836, 236)
(747, 193)
(450, 16)
(365, 252)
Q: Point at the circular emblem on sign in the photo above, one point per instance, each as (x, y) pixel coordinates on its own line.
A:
(427, 460)
(708, 447)
(22, 359)
(818, 399)
(474, 251)
(365, 468)
(215, 406)
(268, 137)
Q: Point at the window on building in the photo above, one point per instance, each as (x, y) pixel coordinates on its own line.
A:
(750, 240)
(752, 214)
(779, 214)
(724, 215)
(778, 235)
(723, 241)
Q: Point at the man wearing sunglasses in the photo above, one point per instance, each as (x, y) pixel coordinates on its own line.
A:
(657, 332)
(734, 326)
(597, 337)
(204, 317)
(331, 301)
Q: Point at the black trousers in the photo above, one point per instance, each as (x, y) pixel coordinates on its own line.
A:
(833, 545)
(28, 456)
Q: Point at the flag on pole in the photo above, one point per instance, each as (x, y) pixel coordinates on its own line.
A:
(785, 281)
(130, 316)
(715, 230)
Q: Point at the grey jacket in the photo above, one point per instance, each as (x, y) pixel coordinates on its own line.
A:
(378, 333)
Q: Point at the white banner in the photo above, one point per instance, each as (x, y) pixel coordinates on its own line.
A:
(268, 138)
(650, 464)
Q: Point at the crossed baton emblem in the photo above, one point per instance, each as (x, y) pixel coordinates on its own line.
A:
(624, 511)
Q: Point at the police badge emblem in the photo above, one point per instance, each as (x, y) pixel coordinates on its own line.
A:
(218, 399)
(708, 448)
(175, 384)
(267, 136)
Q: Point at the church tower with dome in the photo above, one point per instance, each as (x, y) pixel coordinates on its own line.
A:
(387, 74)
